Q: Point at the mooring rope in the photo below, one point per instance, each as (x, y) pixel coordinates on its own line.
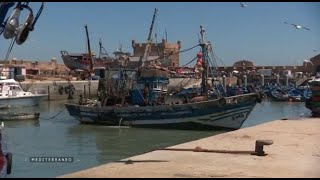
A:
(56, 114)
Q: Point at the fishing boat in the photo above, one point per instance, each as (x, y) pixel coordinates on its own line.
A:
(86, 63)
(290, 94)
(144, 102)
(299, 95)
(7, 116)
(279, 94)
(313, 104)
(12, 95)
(5, 157)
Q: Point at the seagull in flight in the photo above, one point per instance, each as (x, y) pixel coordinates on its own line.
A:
(298, 26)
(243, 5)
(307, 61)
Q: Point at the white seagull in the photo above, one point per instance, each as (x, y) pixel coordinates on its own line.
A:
(298, 26)
(308, 61)
(243, 5)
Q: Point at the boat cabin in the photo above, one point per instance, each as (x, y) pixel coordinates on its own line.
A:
(10, 88)
(149, 91)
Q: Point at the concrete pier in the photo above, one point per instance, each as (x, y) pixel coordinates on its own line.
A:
(89, 88)
(294, 153)
(52, 88)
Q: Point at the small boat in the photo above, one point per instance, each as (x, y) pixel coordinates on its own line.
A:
(12, 95)
(296, 95)
(279, 95)
(6, 116)
(2, 107)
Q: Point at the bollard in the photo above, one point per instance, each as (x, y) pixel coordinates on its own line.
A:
(69, 95)
(89, 84)
(287, 80)
(48, 93)
(262, 80)
(259, 147)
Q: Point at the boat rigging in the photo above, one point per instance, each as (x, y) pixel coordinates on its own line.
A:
(10, 27)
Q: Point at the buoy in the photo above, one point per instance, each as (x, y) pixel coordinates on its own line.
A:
(199, 54)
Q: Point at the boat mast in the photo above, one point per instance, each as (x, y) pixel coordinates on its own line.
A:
(89, 48)
(204, 62)
(100, 46)
(149, 41)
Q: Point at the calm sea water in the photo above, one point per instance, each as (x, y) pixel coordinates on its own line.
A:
(91, 145)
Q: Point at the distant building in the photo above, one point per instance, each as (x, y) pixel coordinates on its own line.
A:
(244, 64)
(11, 71)
(38, 67)
(249, 67)
(167, 52)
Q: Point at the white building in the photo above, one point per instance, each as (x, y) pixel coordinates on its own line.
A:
(10, 71)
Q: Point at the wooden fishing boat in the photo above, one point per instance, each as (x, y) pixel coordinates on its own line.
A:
(145, 102)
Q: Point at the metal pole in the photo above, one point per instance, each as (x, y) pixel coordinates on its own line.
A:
(262, 80)
(48, 93)
(278, 78)
(224, 83)
(245, 80)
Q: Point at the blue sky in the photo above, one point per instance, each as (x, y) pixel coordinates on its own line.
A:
(256, 33)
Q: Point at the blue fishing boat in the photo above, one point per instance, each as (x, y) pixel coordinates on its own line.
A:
(279, 94)
(290, 94)
(145, 102)
(299, 95)
(313, 103)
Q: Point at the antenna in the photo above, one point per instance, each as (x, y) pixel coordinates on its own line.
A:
(100, 46)
(202, 34)
(166, 34)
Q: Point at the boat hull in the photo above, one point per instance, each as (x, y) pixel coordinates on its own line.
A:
(230, 114)
(19, 116)
(75, 63)
(15, 101)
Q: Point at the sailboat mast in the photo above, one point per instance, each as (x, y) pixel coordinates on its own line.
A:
(100, 46)
(204, 63)
(89, 48)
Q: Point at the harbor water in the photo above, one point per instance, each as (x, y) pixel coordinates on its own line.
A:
(56, 134)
